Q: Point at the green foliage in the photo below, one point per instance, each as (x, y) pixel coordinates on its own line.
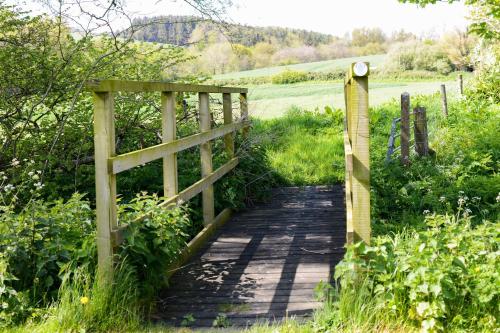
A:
(289, 76)
(441, 278)
(302, 146)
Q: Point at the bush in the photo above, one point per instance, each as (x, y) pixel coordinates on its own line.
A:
(289, 76)
(443, 278)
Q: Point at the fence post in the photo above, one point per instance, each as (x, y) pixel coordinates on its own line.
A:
(104, 148)
(444, 100)
(168, 126)
(360, 139)
(420, 126)
(228, 119)
(405, 128)
(461, 84)
(244, 113)
(206, 160)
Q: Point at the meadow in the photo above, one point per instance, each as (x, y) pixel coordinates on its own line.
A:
(272, 100)
(317, 66)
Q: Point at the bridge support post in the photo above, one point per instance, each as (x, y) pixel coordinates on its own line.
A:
(244, 113)
(358, 128)
(228, 119)
(168, 125)
(104, 146)
(206, 160)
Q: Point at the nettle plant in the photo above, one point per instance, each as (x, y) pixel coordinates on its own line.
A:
(443, 278)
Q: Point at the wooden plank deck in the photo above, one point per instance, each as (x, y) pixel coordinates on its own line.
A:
(264, 263)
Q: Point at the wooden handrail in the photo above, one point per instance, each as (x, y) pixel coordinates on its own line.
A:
(108, 164)
(152, 86)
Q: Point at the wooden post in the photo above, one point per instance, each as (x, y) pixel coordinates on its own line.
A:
(206, 160)
(104, 148)
(244, 113)
(420, 127)
(461, 84)
(228, 119)
(168, 126)
(360, 141)
(444, 101)
(405, 128)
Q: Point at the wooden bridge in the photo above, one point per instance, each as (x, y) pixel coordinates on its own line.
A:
(259, 264)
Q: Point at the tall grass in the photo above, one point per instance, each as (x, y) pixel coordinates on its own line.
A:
(87, 305)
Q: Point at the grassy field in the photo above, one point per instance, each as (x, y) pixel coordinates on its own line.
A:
(270, 101)
(318, 66)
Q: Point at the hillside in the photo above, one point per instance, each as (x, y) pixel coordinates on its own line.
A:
(180, 30)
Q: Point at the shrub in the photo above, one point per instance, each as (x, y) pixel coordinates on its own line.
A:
(441, 278)
(289, 76)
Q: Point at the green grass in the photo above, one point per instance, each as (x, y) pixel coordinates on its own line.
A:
(271, 101)
(318, 66)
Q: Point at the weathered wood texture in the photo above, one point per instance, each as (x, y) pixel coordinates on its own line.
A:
(405, 128)
(444, 100)
(357, 131)
(264, 263)
(420, 127)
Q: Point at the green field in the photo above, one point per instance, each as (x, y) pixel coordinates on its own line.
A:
(318, 66)
(270, 100)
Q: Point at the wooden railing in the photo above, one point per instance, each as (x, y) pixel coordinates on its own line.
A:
(357, 153)
(108, 164)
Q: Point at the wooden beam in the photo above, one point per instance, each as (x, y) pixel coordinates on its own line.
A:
(420, 128)
(169, 133)
(444, 100)
(183, 196)
(206, 159)
(228, 119)
(360, 142)
(151, 86)
(244, 113)
(405, 128)
(201, 185)
(104, 148)
(127, 161)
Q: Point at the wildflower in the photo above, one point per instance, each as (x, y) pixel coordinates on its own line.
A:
(476, 199)
(36, 177)
(84, 300)
(38, 185)
(4, 177)
(426, 212)
(9, 187)
(461, 201)
(442, 198)
(498, 197)
(31, 173)
(14, 162)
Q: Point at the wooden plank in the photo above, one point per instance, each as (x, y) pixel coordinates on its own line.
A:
(405, 129)
(169, 133)
(104, 148)
(360, 141)
(244, 113)
(206, 159)
(130, 160)
(152, 86)
(201, 185)
(228, 119)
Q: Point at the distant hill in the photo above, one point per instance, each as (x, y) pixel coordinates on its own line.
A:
(178, 30)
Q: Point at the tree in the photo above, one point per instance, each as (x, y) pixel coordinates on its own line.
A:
(485, 15)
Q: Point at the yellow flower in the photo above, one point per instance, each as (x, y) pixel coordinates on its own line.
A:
(477, 269)
(84, 300)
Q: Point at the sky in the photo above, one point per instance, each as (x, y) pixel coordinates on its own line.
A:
(335, 17)
(328, 16)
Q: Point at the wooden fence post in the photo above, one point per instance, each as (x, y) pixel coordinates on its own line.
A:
(206, 160)
(420, 127)
(461, 84)
(168, 126)
(360, 140)
(228, 119)
(244, 113)
(405, 128)
(444, 100)
(104, 148)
